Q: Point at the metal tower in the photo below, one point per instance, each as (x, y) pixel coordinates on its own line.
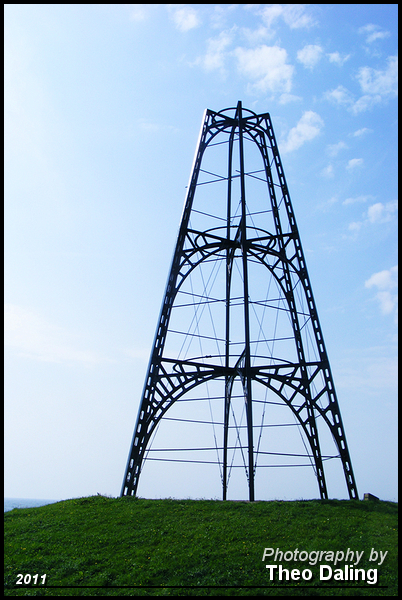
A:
(239, 328)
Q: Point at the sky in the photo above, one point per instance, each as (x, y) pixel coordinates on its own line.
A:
(103, 107)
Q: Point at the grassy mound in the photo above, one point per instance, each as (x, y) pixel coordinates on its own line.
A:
(131, 547)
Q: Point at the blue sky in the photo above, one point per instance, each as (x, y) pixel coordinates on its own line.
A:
(103, 107)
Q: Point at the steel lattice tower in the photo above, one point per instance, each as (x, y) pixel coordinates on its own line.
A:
(238, 317)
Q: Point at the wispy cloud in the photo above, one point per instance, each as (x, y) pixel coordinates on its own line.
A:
(32, 336)
(334, 149)
(377, 213)
(382, 213)
(386, 283)
(310, 55)
(376, 82)
(255, 36)
(287, 98)
(149, 127)
(338, 59)
(361, 132)
(357, 199)
(354, 163)
(296, 16)
(217, 51)
(328, 172)
(339, 95)
(309, 126)
(377, 86)
(373, 33)
(138, 12)
(184, 17)
(267, 66)
(369, 370)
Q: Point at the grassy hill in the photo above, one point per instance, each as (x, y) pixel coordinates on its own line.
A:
(96, 546)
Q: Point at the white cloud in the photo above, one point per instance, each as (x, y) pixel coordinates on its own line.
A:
(377, 87)
(362, 131)
(338, 59)
(286, 98)
(387, 283)
(148, 126)
(369, 370)
(364, 103)
(382, 83)
(373, 33)
(334, 149)
(327, 203)
(307, 128)
(382, 213)
(310, 55)
(358, 199)
(340, 95)
(328, 172)
(33, 336)
(377, 213)
(138, 12)
(294, 15)
(267, 65)
(344, 97)
(387, 302)
(271, 13)
(185, 18)
(356, 226)
(216, 53)
(384, 280)
(255, 36)
(353, 163)
(220, 14)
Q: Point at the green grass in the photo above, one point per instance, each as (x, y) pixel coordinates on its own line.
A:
(197, 544)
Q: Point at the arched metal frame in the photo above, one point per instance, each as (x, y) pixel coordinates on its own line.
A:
(305, 386)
